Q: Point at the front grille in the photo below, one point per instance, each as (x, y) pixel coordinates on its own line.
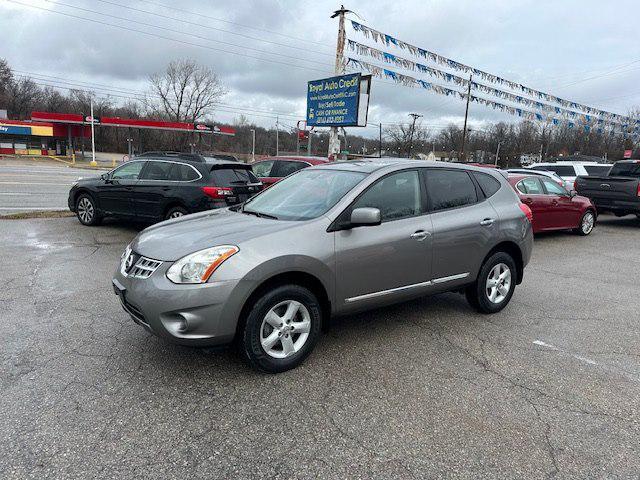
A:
(140, 267)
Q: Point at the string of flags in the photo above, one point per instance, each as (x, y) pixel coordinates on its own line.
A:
(365, 50)
(408, 81)
(383, 38)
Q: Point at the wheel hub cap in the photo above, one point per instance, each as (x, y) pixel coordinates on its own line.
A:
(498, 283)
(285, 329)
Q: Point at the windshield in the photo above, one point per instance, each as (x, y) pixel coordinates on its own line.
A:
(303, 195)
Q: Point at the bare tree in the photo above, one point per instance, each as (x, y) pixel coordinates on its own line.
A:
(185, 92)
(399, 136)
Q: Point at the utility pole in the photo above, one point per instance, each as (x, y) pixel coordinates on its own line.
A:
(466, 115)
(277, 137)
(380, 141)
(93, 140)
(334, 139)
(541, 145)
(253, 144)
(309, 143)
(415, 116)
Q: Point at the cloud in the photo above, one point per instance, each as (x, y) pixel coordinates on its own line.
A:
(557, 46)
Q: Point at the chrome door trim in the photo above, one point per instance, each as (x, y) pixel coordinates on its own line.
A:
(450, 278)
(382, 293)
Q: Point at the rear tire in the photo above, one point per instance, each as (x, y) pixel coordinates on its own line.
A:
(587, 222)
(493, 289)
(86, 210)
(281, 329)
(175, 212)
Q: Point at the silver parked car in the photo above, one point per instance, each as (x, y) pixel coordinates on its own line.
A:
(328, 240)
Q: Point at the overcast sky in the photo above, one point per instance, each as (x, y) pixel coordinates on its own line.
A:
(580, 49)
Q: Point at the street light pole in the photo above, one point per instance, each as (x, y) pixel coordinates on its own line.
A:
(497, 152)
(466, 115)
(277, 137)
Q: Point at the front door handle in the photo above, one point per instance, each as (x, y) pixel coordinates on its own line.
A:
(420, 235)
(487, 222)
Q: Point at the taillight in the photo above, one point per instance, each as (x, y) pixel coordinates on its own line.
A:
(638, 192)
(217, 193)
(575, 184)
(527, 211)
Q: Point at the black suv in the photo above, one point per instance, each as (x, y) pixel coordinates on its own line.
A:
(151, 188)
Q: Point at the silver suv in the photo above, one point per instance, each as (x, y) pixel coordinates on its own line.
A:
(328, 240)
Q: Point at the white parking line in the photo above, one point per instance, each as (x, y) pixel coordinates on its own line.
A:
(577, 357)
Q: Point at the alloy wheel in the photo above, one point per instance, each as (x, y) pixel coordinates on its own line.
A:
(85, 210)
(176, 214)
(285, 329)
(588, 221)
(498, 283)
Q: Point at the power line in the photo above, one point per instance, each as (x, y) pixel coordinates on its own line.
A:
(184, 42)
(151, 25)
(207, 26)
(259, 29)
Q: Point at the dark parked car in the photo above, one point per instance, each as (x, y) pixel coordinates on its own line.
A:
(618, 192)
(274, 169)
(553, 207)
(151, 189)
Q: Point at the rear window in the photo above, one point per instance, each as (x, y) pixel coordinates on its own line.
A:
(226, 177)
(626, 169)
(562, 170)
(450, 189)
(488, 184)
(597, 169)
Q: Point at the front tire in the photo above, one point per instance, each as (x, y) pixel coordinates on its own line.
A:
(86, 210)
(281, 329)
(496, 282)
(587, 222)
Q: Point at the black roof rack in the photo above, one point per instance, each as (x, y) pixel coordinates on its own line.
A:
(192, 157)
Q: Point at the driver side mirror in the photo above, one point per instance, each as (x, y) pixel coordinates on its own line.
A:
(573, 193)
(105, 177)
(365, 216)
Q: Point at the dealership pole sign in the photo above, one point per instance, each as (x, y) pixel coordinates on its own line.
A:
(338, 101)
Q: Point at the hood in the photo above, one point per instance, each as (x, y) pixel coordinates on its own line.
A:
(173, 239)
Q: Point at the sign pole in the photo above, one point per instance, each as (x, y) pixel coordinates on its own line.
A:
(93, 162)
(334, 139)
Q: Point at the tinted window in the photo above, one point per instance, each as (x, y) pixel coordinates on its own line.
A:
(227, 177)
(157, 171)
(130, 171)
(396, 196)
(263, 169)
(305, 195)
(450, 188)
(553, 188)
(287, 168)
(488, 184)
(183, 173)
(625, 169)
(530, 186)
(562, 170)
(597, 169)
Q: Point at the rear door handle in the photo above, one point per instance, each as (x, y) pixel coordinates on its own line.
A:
(420, 235)
(487, 222)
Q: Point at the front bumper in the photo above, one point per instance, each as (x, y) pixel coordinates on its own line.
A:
(202, 315)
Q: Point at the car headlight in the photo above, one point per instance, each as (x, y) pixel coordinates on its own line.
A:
(198, 266)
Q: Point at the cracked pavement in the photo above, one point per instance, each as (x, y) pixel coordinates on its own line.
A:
(549, 387)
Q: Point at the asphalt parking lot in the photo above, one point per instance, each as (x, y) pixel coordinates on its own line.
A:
(550, 386)
(29, 185)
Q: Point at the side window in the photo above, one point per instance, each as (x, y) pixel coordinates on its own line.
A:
(263, 169)
(396, 196)
(157, 171)
(530, 186)
(450, 188)
(129, 171)
(182, 173)
(553, 188)
(488, 184)
(287, 168)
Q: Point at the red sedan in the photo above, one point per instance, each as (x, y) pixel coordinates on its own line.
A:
(273, 169)
(553, 207)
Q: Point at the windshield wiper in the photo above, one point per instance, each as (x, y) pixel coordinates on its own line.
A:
(258, 214)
